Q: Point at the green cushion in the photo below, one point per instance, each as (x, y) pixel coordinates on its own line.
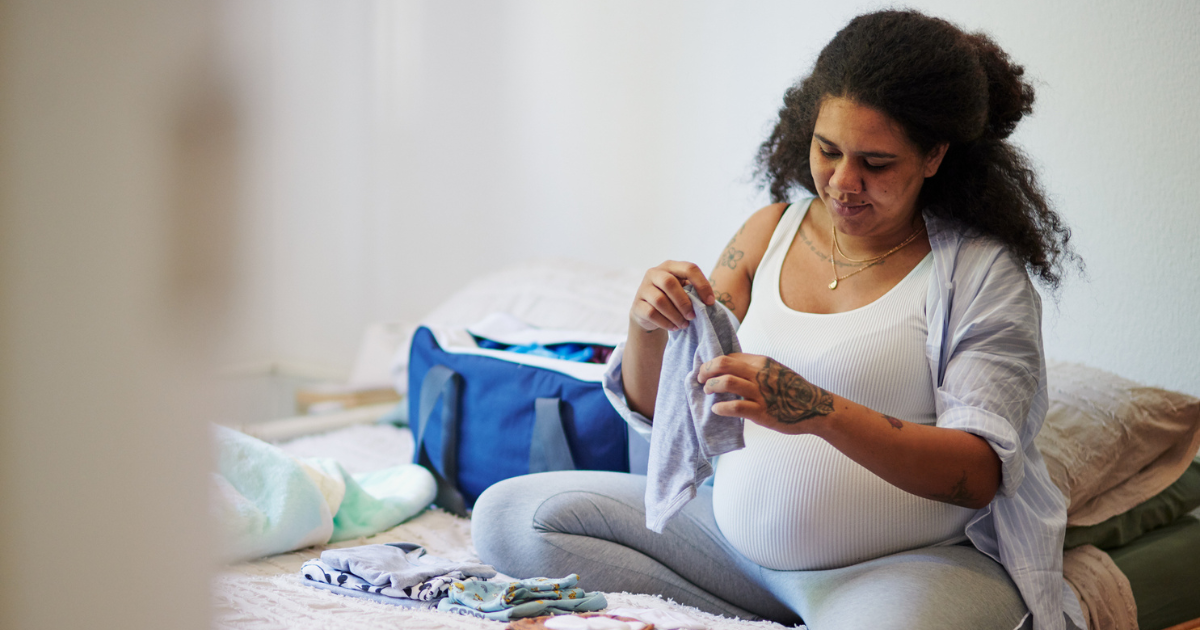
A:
(1163, 568)
(1181, 497)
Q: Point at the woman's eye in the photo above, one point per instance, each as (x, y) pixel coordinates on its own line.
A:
(876, 167)
(829, 154)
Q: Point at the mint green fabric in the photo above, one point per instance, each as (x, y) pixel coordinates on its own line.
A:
(1163, 568)
(267, 502)
(262, 500)
(380, 500)
(1178, 499)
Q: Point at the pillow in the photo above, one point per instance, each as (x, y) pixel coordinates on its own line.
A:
(547, 293)
(1162, 509)
(1110, 443)
(1162, 568)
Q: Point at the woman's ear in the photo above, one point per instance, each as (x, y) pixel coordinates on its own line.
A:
(934, 159)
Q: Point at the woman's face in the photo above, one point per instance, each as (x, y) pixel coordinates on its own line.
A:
(866, 170)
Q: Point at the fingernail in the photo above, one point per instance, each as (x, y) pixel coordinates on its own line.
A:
(690, 316)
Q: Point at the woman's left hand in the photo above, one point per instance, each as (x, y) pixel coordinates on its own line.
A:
(772, 395)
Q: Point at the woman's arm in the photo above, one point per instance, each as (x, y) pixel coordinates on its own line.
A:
(937, 463)
(662, 305)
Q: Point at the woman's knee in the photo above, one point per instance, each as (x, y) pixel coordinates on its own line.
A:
(939, 588)
(512, 519)
(500, 522)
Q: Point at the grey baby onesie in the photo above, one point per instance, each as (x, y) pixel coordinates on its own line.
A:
(685, 433)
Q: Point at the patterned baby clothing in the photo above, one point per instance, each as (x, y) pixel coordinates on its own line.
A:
(399, 571)
(504, 601)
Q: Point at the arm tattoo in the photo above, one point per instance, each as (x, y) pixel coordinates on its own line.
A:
(731, 256)
(958, 495)
(788, 397)
(725, 299)
(722, 296)
(896, 424)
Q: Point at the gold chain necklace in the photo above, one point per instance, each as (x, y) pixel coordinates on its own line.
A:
(868, 263)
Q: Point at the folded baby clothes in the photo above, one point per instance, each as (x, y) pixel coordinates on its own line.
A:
(401, 574)
(505, 601)
(429, 590)
(686, 434)
(399, 565)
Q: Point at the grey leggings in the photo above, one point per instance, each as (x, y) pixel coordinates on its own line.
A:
(593, 524)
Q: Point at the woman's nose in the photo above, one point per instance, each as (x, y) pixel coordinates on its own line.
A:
(846, 178)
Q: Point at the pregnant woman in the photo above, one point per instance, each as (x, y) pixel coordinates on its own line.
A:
(892, 370)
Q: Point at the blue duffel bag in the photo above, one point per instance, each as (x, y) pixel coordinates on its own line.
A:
(479, 416)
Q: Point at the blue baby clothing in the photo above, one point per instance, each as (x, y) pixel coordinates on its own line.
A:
(505, 601)
(579, 352)
(686, 434)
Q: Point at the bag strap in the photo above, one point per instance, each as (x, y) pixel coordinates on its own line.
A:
(444, 383)
(548, 450)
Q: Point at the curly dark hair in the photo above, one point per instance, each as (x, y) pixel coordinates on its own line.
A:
(941, 85)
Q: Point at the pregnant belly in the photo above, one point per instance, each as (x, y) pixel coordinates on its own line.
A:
(796, 503)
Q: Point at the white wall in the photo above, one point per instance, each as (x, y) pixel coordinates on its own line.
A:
(399, 148)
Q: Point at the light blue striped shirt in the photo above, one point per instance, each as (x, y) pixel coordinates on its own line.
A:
(985, 357)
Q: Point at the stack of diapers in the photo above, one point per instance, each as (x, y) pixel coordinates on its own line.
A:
(267, 502)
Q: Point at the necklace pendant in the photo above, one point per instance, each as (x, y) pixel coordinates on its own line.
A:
(833, 285)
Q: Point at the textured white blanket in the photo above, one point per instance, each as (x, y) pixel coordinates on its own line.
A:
(269, 594)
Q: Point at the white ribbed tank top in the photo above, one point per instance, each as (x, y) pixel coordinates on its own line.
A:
(794, 502)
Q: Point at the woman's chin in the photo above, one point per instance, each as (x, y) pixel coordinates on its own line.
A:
(858, 224)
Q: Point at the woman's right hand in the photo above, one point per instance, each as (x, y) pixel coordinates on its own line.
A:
(661, 302)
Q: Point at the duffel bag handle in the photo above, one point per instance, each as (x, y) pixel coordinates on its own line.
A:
(549, 449)
(444, 383)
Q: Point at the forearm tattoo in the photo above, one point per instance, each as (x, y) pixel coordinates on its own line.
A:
(959, 495)
(788, 397)
(896, 424)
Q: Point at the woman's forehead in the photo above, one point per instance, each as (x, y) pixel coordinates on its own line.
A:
(852, 126)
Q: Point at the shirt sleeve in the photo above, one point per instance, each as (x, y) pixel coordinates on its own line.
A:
(993, 375)
(615, 390)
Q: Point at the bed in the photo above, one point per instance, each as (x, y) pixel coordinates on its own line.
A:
(1110, 444)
